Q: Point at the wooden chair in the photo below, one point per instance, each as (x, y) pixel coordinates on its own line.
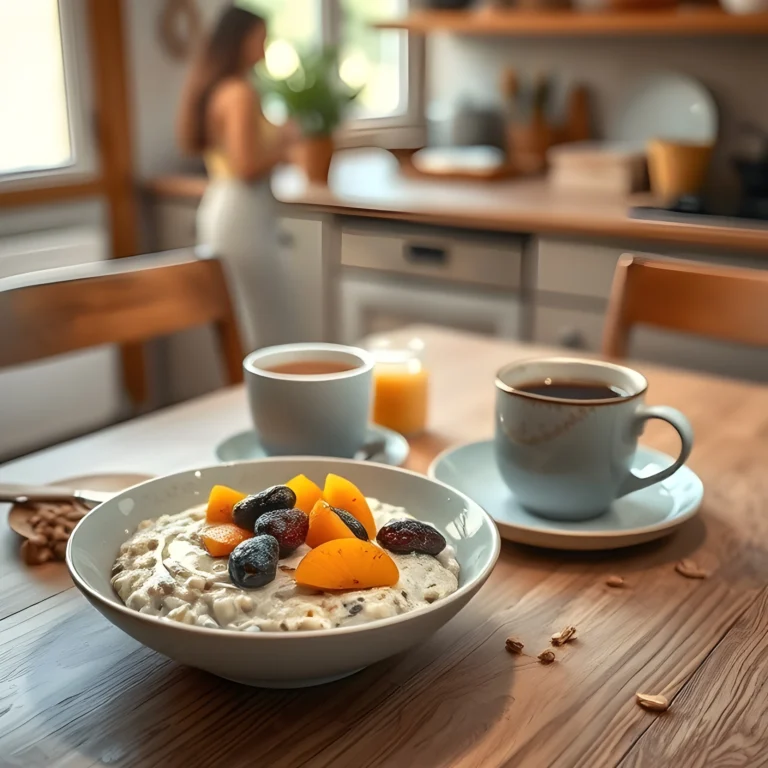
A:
(125, 301)
(724, 303)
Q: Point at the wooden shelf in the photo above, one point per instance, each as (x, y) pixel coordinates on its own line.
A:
(684, 21)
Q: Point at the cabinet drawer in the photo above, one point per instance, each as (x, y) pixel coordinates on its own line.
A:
(578, 269)
(491, 261)
(571, 328)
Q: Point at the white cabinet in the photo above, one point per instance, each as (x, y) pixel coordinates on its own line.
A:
(302, 243)
(380, 304)
(566, 327)
(395, 274)
(174, 224)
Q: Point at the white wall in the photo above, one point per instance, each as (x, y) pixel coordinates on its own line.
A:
(734, 69)
(156, 82)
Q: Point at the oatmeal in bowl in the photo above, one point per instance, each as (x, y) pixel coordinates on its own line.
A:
(288, 558)
(283, 572)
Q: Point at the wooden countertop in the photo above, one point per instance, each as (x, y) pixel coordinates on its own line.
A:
(76, 691)
(367, 182)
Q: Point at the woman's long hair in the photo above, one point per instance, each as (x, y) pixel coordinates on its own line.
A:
(219, 57)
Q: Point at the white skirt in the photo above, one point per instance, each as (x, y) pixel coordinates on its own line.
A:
(238, 221)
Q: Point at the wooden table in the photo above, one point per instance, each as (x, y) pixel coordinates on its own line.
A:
(74, 691)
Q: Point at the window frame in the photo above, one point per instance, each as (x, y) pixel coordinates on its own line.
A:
(406, 129)
(79, 96)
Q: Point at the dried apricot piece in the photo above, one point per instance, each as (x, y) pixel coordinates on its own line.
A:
(307, 492)
(347, 564)
(326, 525)
(340, 492)
(220, 503)
(220, 540)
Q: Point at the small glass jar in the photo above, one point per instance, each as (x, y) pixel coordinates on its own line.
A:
(401, 386)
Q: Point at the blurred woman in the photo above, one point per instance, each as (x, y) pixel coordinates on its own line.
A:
(221, 119)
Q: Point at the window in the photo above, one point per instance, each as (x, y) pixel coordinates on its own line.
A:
(42, 130)
(384, 63)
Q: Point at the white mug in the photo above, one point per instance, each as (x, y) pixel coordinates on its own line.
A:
(568, 459)
(322, 414)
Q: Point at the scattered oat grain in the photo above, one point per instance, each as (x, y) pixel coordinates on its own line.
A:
(513, 645)
(563, 636)
(691, 570)
(654, 702)
(617, 582)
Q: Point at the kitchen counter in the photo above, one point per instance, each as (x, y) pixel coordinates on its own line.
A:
(368, 182)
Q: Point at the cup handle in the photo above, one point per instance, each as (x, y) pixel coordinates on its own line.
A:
(681, 424)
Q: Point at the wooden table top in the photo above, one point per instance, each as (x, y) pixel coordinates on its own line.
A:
(368, 182)
(76, 692)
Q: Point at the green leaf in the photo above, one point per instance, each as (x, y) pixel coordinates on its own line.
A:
(314, 95)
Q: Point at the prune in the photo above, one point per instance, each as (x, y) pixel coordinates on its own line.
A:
(246, 512)
(406, 536)
(288, 526)
(352, 523)
(253, 563)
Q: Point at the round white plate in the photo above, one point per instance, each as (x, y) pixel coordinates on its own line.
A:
(665, 105)
(639, 517)
(245, 446)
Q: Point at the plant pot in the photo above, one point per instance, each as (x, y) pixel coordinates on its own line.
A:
(313, 155)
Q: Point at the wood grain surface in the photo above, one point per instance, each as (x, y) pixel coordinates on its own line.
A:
(724, 303)
(133, 300)
(686, 21)
(74, 691)
(368, 182)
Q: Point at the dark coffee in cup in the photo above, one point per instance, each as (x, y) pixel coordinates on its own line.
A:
(563, 389)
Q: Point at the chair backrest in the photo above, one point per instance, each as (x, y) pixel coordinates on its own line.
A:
(725, 303)
(124, 301)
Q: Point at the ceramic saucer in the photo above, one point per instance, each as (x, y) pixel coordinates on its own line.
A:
(246, 445)
(641, 516)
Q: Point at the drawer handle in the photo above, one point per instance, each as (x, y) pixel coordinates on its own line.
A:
(572, 338)
(285, 239)
(425, 254)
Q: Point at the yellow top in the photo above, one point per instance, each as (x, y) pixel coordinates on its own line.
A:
(216, 161)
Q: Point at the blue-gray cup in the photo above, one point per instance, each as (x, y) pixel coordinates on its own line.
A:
(320, 414)
(568, 459)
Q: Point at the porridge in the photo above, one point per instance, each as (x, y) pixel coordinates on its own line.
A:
(252, 563)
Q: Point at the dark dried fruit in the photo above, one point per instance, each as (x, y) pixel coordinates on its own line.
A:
(246, 512)
(355, 609)
(352, 523)
(288, 526)
(253, 563)
(406, 536)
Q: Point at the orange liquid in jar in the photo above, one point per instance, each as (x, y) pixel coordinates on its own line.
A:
(400, 396)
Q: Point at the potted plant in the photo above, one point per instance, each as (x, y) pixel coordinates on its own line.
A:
(316, 98)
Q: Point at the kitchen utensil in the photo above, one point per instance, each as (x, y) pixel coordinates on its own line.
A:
(568, 455)
(382, 445)
(652, 513)
(664, 105)
(322, 414)
(98, 485)
(677, 168)
(25, 494)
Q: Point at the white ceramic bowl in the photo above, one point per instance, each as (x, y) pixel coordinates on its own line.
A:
(281, 659)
